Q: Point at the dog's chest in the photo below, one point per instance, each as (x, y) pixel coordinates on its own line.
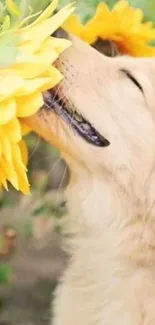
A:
(107, 281)
(97, 291)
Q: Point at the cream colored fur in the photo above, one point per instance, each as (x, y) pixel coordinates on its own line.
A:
(110, 279)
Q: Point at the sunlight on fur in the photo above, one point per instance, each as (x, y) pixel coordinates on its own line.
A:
(110, 279)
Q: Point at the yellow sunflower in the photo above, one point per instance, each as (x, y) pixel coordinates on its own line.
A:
(25, 72)
(123, 25)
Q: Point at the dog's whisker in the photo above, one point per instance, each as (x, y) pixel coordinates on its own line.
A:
(35, 148)
(60, 185)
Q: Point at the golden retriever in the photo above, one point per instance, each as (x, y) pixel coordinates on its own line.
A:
(102, 117)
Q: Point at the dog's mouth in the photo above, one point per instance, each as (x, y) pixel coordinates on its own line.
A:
(76, 121)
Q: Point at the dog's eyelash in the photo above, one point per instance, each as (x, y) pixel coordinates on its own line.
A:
(130, 76)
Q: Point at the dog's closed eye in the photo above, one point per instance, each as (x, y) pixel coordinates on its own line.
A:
(132, 78)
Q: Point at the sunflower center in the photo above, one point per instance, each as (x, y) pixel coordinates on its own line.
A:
(106, 47)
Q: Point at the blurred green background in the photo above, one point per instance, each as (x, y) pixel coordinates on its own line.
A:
(86, 9)
(30, 227)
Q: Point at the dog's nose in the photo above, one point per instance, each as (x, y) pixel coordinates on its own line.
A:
(79, 65)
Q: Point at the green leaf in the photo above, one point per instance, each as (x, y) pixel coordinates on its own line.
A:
(8, 50)
(6, 273)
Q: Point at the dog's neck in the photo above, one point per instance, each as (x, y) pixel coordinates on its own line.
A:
(111, 269)
(103, 216)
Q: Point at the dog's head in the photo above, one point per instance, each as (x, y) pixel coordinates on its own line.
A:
(102, 115)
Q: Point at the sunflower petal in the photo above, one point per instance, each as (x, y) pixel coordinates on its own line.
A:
(20, 170)
(7, 110)
(6, 147)
(44, 15)
(24, 128)
(31, 66)
(47, 27)
(12, 130)
(55, 78)
(22, 82)
(123, 24)
(9, 85)
(24, 151)
(29, 105)
(10, 173)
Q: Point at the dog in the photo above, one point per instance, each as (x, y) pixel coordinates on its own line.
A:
(102, 118)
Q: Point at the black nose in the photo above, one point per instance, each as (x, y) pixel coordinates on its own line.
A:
(61, 33)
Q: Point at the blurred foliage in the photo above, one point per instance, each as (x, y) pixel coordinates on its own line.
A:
(26, 6)
(6, 273)
(148, 7)
(34, 217)
(85, 9)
